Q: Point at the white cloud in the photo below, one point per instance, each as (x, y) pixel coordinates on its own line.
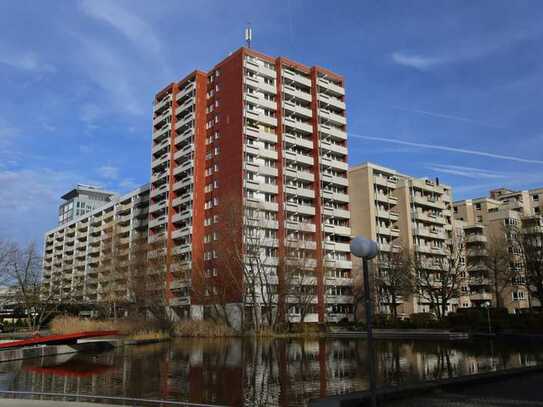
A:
(108, 172)
(415, 61)
(128, 184)
(465, 49)
(29, 200)
(112, 72)
(126, 22)
(468, 172)
(448, 116)
(450, 149)
(26, 61)
(90, 113)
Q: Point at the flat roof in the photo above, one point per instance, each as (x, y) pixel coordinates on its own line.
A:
(86, 188)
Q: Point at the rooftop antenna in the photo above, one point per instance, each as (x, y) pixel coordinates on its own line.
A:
(248, 35)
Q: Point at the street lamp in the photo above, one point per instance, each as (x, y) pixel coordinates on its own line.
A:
(367, 250)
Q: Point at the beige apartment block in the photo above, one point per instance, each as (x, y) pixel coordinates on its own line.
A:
(487, 220)
(525, 203)
(75, 253)
(400, 211)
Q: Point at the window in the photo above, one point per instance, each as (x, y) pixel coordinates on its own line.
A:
(518, 295)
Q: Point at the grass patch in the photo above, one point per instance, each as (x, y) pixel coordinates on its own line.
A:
(148, 335)
(69, 324)
(202, 329)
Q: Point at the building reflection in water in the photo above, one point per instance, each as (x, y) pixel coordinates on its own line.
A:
(239, 372)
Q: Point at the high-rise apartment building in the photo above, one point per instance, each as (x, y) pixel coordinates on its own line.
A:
(401, 212)
(485, 251)
(81, 200)
(76, 253)
(257, 146)
(488, 221)
(253, 132)
(526, 203)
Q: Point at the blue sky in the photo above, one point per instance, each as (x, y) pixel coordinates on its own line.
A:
(451, 89)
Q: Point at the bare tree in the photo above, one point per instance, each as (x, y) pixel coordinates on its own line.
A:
(527, 242)
(438, 277)
(256, 271)
(495, 258)
(394, 278)
(113, 271)
(21, 273)
(151, 274)
(299, 263)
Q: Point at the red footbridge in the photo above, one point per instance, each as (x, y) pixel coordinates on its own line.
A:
(65, 339)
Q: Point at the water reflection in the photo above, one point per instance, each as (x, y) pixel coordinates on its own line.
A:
(257, 373)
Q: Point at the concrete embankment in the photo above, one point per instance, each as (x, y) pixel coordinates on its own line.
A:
(412, 391)
(32, 352)
(48, 403)
(430, 334)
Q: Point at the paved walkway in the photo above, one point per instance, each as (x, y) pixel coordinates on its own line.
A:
(48, 403)
(525, 390)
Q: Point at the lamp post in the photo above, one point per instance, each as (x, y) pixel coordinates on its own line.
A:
(367, 250)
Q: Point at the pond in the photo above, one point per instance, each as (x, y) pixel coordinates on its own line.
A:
(286, 372)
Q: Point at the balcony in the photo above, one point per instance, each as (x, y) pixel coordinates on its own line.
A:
(187, 150)
(292, 91)
(189, 118)
(187, 90)
(482, 296)
(327, 145)
(164, 143)
(330, 100)
(183, 232)
(304, 227)
(296, 77)
(302, 158)
(306, 127)
(164, 131)
(165, 102)
(475, 238)
(162, 116)
(299, 141)
(333, 117)
(333, 131)
(297, 109)
(186, 105)
(428, 201)
(385, 181)
(330, 86)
